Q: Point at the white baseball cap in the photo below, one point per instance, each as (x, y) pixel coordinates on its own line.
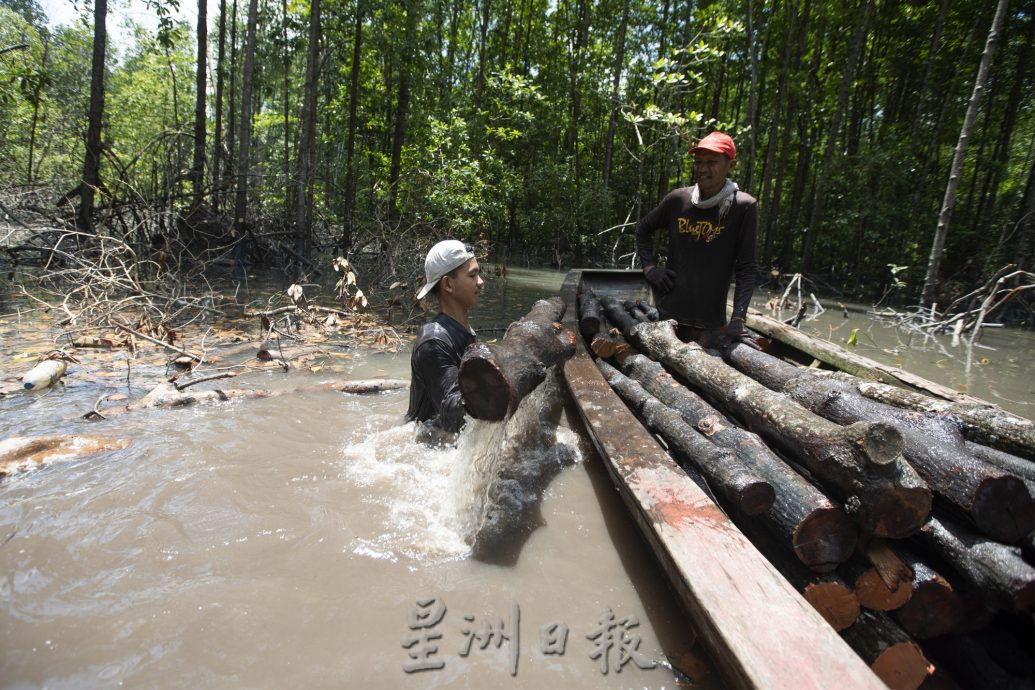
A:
(443, 258)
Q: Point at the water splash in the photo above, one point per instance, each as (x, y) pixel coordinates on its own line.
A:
(480, 496)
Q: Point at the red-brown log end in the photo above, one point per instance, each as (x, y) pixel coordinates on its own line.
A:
(1003, 509)
(835, 602)
(875, 595)
(934, 609)
(825, 539)
(896, 513)
(902, 666)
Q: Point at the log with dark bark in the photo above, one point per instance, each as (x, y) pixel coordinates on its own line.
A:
(495, 378)
(892, 654)
(995, 570)
(617, 314)
(1008, 462)
(983, 423)
(970, 664)
(830, 595)
(819, 532)
(1028, 548)
(746, 490)
(861, 463)
(997, 502)
(640, 311)
(935, 608)
(844, 360)
(591, 314)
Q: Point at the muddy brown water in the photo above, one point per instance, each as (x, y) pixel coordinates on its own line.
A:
(279, 543)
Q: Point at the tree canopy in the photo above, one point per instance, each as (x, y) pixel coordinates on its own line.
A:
(546, 128)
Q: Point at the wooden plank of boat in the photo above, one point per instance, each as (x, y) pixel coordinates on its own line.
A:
(760, 630)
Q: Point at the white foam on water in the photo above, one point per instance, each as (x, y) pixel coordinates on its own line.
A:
(438, 501)
(411, 483)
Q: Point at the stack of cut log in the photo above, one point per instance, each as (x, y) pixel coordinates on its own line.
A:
(907, 522)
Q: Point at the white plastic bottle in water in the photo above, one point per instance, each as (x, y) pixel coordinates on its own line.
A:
(44, 374)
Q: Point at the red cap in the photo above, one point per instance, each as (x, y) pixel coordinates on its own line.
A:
(719, 143)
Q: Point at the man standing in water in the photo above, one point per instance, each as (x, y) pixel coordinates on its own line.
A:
(452, 275)
(711, 237)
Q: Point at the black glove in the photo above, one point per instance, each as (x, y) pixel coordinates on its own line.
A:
(737, 332)
(661, 278)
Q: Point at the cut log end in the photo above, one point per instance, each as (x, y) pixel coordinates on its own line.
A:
(485, 390)
(895, 514)
(825, 539)
(754, 496)
(934, 609)
(874, 594)
(835, 602)
(880, 443)
(902, 666)
(1003, 509)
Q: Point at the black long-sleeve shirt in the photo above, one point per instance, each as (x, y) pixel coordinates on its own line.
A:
(705, 251)
(435, 366)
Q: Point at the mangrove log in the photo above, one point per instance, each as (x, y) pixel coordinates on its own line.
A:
(617, 314)
(983, 423)
(819, 532)
(842, 359)
(746, 490)
(934, 608)
(970, 664)
(591, 316)
(892, 654)
(862, 462)
(495, 378)
(873, 590)
(1008, 462)
(997, 571)
(831, 596)
(997, 502)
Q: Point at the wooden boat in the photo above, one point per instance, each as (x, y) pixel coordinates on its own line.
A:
(760, 631)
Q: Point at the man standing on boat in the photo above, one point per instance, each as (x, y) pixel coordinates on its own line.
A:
(451, 275)
(711, 230)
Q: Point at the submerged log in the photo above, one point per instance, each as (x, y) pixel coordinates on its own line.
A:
(495, 378)
(934, 608)
(997, 571)
(986, 424)
(997, 502)
(819, 532)
(862, 462)
(23, 453)
(746, 490)
(892, 654)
